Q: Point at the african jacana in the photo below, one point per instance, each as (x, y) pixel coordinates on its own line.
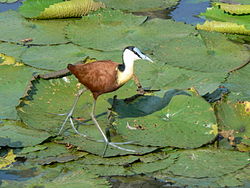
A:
(102, 77)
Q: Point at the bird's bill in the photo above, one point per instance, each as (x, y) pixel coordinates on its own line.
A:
(147, 58)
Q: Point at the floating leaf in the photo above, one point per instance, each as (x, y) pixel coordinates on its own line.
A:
(224, 27)
(218, 14)
(186, 122)
(15, 28)
(113, 28)
(210, 163)
(140, 5)
(14, 136)
(232, 116)
(234, 9)
(204, 53)
(53, 57)
(33, 8)
(12, 89)
(7, 160)
(44, 9)
(237, 83)
(207, 168)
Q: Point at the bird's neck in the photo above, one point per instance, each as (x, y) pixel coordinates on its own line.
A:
(126, 70)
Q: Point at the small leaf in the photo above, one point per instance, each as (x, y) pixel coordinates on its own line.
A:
(7, 160)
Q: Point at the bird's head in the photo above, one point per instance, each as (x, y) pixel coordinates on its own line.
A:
(133, 53)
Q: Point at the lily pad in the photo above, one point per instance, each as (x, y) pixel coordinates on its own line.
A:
(12, 88)
(111, 27)
(237, 83)
(52, 57)
(186, 122)
(211, 163)
(12, 50)
(42, 9)
(169, 77)
(218, 14)
(38, 32)
(50, 153)
(207, 52)
(14, 136)
(207, 168)
(33, 8)
(234, 117)
(140, 5)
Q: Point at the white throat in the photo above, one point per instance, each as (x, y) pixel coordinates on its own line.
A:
(129, 58)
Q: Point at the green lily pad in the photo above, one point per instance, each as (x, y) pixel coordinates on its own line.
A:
(96, 160)
(54, 176)
(12, 88)
(235, 117)
(140, 5)
(12, 50)
(50, 153)
(52, 57)
(169, 77)
(207, 168)
(144, 168)
(186, 122)
(210, 163)
(33, 8)
(15, 28)
(14, 136)
(112, 30)
(147, 36)
(237, 83)
(207, 52)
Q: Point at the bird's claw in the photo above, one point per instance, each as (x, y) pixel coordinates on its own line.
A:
(141, 91)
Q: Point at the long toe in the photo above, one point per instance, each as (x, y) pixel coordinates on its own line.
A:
(115, 145)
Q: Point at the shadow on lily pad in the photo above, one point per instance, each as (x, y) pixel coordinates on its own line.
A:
(142, 105)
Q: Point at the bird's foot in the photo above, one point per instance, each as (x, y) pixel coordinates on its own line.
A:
(115, 145)
(140, 91)
(70, 119)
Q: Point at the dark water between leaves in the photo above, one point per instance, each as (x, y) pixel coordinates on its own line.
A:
(185, 11)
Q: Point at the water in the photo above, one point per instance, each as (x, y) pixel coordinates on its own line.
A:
(9, 6)
(187, 10)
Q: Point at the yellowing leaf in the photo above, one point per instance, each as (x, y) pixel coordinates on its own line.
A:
(234, 9)
(73, 8)
(223, 27)
(7, 160)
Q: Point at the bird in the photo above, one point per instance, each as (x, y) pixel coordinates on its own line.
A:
(102, 77)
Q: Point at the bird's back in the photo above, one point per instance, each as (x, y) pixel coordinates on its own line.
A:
(99, 76)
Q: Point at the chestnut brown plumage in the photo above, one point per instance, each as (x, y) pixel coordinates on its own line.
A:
(102, 77)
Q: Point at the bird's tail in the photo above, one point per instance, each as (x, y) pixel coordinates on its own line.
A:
(71, 67)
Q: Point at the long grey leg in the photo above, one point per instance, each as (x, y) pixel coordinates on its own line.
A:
(103, 134)
(69, 116)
